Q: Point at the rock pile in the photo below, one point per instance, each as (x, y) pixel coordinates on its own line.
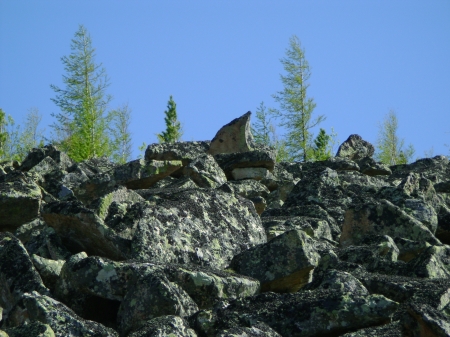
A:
(216, 239)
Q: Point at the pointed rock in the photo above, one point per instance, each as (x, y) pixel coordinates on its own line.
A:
(355, 148)
(233, 137)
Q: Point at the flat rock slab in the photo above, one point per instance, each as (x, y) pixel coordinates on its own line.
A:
(19, 203)
(233, 137)
(184, 151)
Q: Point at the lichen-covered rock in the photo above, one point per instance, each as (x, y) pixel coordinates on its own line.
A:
(149, 296)
(355, 148)
(30, 329)
(82, 230)
(308, 313)
(49, 270)
(165, 326)
(393, 329)
(17, 273)
(382, 218)
(314, 227)
(370, 167)
(283, 264)
(256, 173)
(443, 187)
(62, 320)
(205, 172)
(203, 227)
(343, 282)
(340, 164)
(258, 329)
(207, 286)
(233, 137)
(184, 151)
(248, 188)
(20, 203)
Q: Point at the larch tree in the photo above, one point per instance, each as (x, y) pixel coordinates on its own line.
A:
(296, 107)
(173, 130)
(122, 135)
(82, 124)
(390, 148)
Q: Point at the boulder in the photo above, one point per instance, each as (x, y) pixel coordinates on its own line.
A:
(424, 320)
(233, 137)
(17, 273)
(36, 155)
(32, 329)
(20, 203)
(370, 167)
(314, 227)
(205, 172)
(256, 173)
(262, 157)
(284, 264)
(355, 148)
(63, 321)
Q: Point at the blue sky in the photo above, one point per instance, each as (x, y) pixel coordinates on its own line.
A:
(220, 59)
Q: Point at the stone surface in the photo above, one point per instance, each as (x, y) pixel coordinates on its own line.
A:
(233, 137)
(355, 148)
(184, 151)
(163, 326)
(205, 172)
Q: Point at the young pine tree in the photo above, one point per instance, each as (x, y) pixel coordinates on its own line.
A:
(321, 149)
(173, 130)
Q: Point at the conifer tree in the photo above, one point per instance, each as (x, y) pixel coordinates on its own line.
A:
(173, 130)
(296, 106)
(390, 148)
(82, 124)
(122, 135)
(321, 149)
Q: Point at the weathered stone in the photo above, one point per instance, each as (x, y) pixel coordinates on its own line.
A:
(36, 155)
(17, 273)
(150, 296)
(370, 167)
(82, 230)
(393, 329)
(340, 164)
(256, 173)
(30, 329)
(424, 320)
(382, 218)
(233, 137)
(258, 329)
(165, 326)
(203, 227)
(434, 262)
(283, 264)
(308, 313)
(355, 148)
(342, 282)
(184, 151)
(93, 166)
(443, 187)
(49, 270)
(63, 321)
(205, 172)
(19, 203)
(315, 228)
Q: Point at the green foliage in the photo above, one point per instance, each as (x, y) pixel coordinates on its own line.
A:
(82, 125)
(390, 149)
(173, 130)
(321, 149)
(3, 133)
(296, 106)
(121, 133)
(142, 149)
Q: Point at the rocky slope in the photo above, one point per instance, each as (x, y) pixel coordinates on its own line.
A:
(216, 239)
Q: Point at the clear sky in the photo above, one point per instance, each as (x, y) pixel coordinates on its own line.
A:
(220, 59)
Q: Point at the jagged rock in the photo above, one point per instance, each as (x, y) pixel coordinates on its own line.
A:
(233, 137)
(382, 218)
(205, 172)
(184, 151)
(258, 329)
(280, 177)
(63, 321)
(164, 326)
(49, 270)
(443, 228)
(340, 164)
(262, 158)
(433, 262)
(370, 167)
(93, 166)
(17, 273)
(36, 155)
(249, 189)
(355, 148)
(81, 229)
(314, 227)
(283, 264)
(342, 282)
(393, 329)
(32, 329)
(308, 313)
(203, 227)
(435, 169)
(41, 240)
(443, 187)
(20, 203)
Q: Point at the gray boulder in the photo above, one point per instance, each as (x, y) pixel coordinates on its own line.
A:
(355, 148)
(184, 151)
(205, 172)
(163, 326)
